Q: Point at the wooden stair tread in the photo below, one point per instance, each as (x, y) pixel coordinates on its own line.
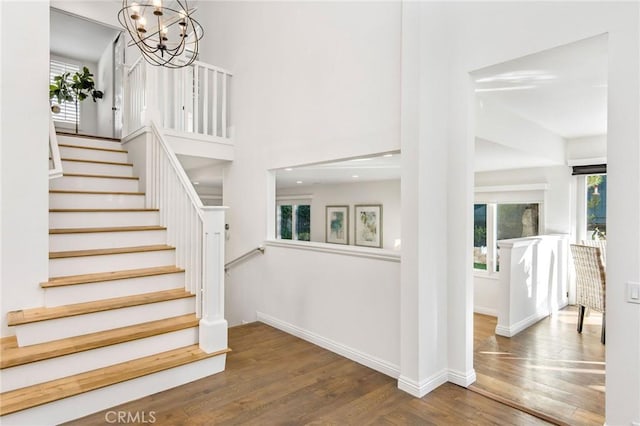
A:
(101, 252)
(93, 148)
(100, 210)
(68, 191)
(109, 276)
(43, 393)
(26, 316)
(99, 176)
(106, 229)
(14, 356)
(80, 135)
(114, 163)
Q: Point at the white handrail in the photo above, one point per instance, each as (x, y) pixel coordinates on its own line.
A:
(168, 189)
(55, 166)
(197, 233)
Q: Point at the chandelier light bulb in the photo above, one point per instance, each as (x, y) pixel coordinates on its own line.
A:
(142, 22)
(157, 5)
(135, 11)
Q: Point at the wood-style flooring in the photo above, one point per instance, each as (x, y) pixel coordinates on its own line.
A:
(273, 378)
(548, 367)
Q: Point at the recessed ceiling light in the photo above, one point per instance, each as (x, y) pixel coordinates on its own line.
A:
(288, 169)
(196, 182)
(388, 155)
(298, 181)
(355, 176)
(361, 159)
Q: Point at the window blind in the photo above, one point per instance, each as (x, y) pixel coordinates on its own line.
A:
(67, 109)
(595, 169)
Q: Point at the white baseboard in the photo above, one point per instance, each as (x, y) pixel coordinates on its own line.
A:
(422, 388)
(512, 330)
(462, 379)
(365, 359)
(485, 311)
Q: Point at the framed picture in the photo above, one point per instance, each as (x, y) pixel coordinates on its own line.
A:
(368, 223)
(337, 224)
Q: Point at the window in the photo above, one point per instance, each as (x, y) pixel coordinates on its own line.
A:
(293, 221)
(596, 206)
(480, 236)
(493, 222)
(67, 109)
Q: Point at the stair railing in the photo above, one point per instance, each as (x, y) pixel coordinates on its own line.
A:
(229, 265)
(193, 99)
(55, 163)
(197, 233)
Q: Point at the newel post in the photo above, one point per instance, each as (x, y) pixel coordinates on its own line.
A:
(213, 326)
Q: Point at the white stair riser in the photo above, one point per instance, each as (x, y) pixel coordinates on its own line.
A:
(99, 240)
(46, 331)
(61, 220)
(82, 183)
(83, 168)
(69, 294)
(87, 403)
(109, 262)
(95, 201)
(80, 362)
(92, 154)
(88, 142)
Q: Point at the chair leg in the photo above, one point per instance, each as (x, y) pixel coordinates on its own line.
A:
(581, 310)
(602, 336)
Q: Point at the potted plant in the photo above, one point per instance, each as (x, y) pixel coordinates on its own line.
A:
(74, 88)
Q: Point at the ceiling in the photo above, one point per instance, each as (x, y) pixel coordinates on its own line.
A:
(385, 166)
(203, 172)
(563, 89)
(78, 38)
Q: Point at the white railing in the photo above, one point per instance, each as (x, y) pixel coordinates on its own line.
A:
(193, 99)
(55, 163)
(197, 233)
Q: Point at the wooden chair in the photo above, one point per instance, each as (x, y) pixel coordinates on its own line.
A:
(590, 282)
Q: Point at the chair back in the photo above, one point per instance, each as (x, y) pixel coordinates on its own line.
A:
(602, 245)
(590, 276)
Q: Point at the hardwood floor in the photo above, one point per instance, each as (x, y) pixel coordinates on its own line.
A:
(548, 367)
(275, 378)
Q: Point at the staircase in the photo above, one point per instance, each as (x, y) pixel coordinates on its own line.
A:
(117, 323)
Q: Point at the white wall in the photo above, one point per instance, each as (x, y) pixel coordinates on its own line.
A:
(477, 35)
(586, 150)
(312, 81)
(386, 193)
(88, 109)
(24, 155)
(350, 305)
(104, 81)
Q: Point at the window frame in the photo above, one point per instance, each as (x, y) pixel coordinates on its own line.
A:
(294, 202)
(57, 66)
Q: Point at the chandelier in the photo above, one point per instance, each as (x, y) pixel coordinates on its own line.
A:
(166, 35)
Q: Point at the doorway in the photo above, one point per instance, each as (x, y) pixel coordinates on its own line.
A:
(537, 117)
(77, 42)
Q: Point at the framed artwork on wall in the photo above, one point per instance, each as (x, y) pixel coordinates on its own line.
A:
(368, 223)
(337, 224)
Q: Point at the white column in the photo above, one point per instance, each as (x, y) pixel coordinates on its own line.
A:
(213, 326)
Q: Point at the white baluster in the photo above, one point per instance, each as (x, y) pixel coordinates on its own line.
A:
(224, 105)
(205, 105)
